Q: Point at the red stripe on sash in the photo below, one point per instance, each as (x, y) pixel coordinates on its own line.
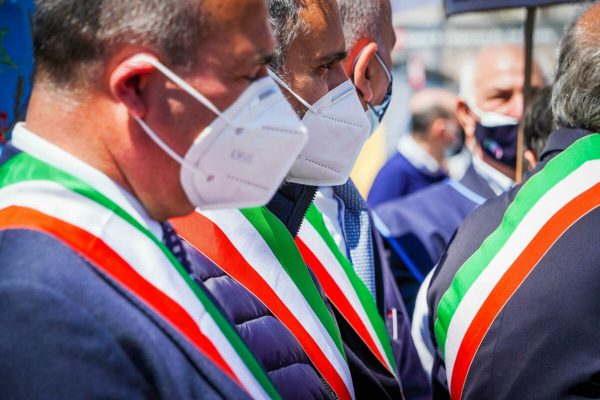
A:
(556, 226)
(108, 261)
(339, 300)
(210, 240)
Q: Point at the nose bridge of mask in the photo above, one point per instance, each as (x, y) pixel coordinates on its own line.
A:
(185, 86)
(340, 92)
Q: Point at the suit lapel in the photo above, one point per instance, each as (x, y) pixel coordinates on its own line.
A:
(473, 181)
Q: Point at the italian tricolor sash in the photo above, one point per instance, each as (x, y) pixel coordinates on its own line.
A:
(547, 205)
(343, 286)
(256, 249)
(37, 196)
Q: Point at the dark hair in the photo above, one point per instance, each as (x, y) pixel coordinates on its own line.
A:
(538, 123)
(421, 122)
(73, 38)
(284, 17)
(576, 93)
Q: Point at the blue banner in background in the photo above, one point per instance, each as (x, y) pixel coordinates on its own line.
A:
(460, 6)
(16, 62)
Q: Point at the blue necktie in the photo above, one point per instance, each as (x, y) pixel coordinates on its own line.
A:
(358, 234)
(173, 242)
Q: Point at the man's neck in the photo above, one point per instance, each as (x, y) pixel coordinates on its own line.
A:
(70, 125)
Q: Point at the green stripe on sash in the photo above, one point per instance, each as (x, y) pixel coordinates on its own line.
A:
(557, 169)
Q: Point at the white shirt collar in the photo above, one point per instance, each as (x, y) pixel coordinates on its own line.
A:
(417, 156)
(30, 143)
(499, 182)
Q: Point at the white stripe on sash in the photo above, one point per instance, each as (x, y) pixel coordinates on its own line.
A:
(313, 240)
(260, 257)
(143, 255)
(550, 203)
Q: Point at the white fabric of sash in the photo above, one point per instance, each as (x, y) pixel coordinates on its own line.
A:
(550, 203)
(313, 240)
(255, 250)
(138, 250)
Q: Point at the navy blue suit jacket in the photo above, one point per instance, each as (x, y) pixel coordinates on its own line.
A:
(399, 178)
(544, 343)
(423, 223)
(68, 332)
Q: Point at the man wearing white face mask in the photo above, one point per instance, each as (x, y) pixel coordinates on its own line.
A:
(260, 259)
(489, 108)
(358, 274)
(97, 295)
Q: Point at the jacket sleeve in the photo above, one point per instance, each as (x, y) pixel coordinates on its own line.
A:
(51, 348)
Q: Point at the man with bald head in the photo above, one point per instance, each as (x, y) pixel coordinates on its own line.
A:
(515, 298)
(489, 108)
(421, 157)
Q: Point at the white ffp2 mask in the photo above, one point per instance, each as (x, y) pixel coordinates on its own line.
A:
(243, 156)
(337, 129)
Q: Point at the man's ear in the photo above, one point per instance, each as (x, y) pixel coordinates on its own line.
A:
(466, 119)
(531, 158)
(128, 80)
(361, 75)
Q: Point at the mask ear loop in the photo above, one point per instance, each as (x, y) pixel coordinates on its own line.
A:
(187, 87)
(150, 132)
(284, 85)
(389, 77)
(385, 68)
(196, 95)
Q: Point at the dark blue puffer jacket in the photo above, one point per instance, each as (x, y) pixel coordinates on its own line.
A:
(285, 361)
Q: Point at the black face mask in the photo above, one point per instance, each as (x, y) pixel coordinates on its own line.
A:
(499, 142)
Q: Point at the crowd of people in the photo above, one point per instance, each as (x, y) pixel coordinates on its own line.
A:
(177, 218)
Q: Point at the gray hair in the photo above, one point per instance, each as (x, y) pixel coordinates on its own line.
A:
(361, 18)
(284, 17)
(72, 39)
(576, 93)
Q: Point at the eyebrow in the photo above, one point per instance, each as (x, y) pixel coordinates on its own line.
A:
(330, 58)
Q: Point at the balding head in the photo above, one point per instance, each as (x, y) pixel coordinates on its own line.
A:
(433, 120)
(428, 106)
(426, 99)
(576, 94)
